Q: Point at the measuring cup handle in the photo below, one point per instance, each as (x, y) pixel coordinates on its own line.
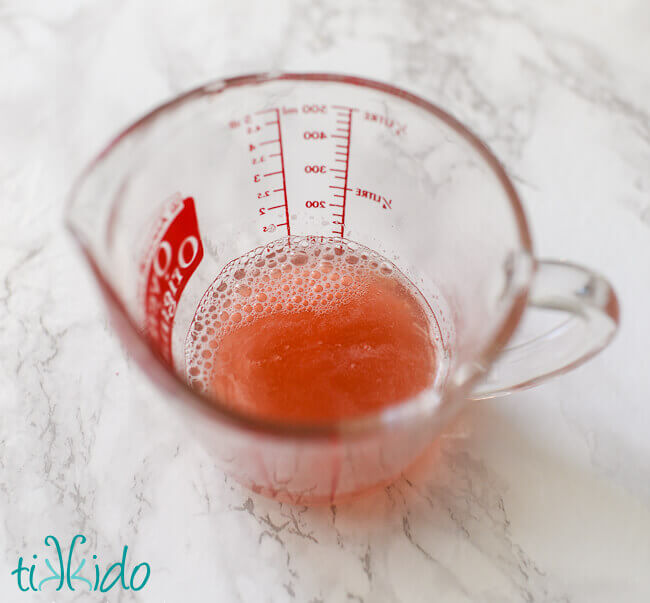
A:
(592, 316)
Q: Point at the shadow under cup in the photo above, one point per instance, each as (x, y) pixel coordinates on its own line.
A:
(177, 196)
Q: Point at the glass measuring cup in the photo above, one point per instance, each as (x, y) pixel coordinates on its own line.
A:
(241, 163)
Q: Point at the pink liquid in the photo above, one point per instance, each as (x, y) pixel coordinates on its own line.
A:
(315, 330)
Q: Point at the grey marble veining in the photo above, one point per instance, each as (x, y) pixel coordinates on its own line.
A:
(543, 496)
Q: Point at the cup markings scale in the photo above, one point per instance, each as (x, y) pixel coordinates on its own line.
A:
(264, 130)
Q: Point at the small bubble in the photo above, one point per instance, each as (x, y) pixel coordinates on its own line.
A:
(335, 276)
(352, 259)
(326, 267)
(317, 288)
(299, 258)
(347, 280)
(276, 273)
(261, 297)
(239, 274)
(243, 290)
(385, 268)
(236, 317)
(222, 287)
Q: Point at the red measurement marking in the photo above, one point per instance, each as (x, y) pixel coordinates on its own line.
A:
(347, 170)
(269, 123)
(284, 180)
(385, 202)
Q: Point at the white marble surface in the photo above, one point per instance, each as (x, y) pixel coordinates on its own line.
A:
(542, 496)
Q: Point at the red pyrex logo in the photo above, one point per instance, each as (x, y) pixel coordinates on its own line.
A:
(174, 256)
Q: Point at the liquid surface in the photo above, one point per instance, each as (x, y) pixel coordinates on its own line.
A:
(311, 330)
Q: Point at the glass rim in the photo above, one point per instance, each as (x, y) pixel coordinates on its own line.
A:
(211, 406)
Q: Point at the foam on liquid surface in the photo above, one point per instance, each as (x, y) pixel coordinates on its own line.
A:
(311, 329)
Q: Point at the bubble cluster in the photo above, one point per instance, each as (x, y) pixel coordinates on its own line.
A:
(288, 275)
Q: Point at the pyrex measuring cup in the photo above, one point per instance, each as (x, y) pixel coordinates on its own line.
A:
(241, 163)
